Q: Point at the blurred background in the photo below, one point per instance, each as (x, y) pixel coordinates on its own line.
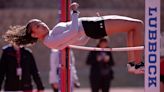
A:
(18, 12)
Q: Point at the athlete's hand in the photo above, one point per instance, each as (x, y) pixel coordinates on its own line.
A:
(74, 6)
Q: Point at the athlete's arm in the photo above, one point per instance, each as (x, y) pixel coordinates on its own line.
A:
(56, 40)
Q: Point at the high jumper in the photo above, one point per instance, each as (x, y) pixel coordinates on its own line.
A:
(79, 30)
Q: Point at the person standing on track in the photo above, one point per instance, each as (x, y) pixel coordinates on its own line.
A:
(101, 73)
(17, 69)
(54, 70)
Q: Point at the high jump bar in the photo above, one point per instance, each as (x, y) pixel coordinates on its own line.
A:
(107, 49)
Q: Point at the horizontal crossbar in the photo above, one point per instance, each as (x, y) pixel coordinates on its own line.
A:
(107, 49)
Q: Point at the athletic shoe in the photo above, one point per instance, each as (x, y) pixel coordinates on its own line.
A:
(77, 84)
(131, 67)
(139, 68)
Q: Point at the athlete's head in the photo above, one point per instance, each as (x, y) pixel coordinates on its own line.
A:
(37, 28)
(29, 34)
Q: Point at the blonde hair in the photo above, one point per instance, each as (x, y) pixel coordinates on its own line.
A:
(19, 35)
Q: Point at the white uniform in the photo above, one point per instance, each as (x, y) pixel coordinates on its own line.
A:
(54, 65)
(66, 33)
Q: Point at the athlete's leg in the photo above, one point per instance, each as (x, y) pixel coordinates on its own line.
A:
(117, 24)
(130, 43)
(138, 35)
(131, 58)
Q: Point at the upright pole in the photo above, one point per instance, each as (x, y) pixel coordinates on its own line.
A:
(152, 45)
(64, 16)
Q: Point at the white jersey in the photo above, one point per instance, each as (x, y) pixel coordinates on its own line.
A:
(54, 65)
(66, 33)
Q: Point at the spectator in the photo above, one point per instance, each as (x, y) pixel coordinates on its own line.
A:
(17, 65)
(101, 64)
(54, 63)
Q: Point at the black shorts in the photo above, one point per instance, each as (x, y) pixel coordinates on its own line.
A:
(162, 78)
(94, 29)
